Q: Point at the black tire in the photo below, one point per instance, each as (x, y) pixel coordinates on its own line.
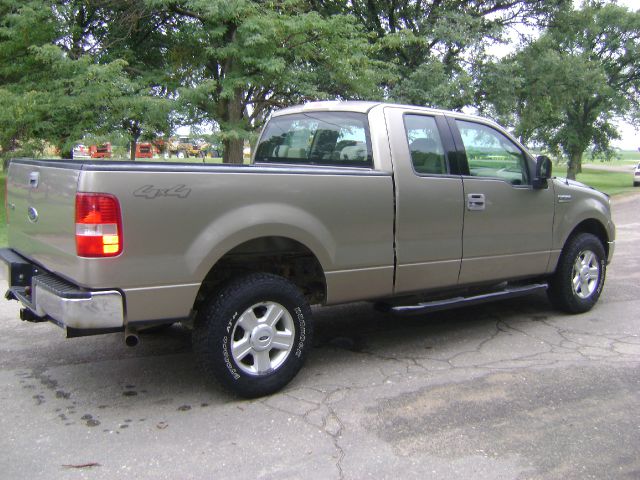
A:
(584, 295)
(222, 330)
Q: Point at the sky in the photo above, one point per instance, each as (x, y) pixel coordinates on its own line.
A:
(630, 136)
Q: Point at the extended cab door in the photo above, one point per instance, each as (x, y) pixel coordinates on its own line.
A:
(507, 223)
(429, 200)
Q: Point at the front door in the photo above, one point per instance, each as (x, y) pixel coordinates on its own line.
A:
(507, 223)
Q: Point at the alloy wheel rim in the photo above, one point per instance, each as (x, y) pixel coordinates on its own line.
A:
(262, 338)
(585, 274)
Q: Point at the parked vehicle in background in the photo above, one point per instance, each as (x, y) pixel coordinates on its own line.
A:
(412, 208)
(636, 176)
(80, 152)
(144, 150)
(100, 151)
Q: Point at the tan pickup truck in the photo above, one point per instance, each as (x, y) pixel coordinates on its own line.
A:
(412, 208)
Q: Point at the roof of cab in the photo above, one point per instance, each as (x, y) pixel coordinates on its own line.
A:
(359, 107)
(365, 107)
(329, 106)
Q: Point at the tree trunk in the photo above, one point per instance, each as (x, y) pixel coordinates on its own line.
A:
(234, 121)
(133, 144)
(233, 151)
(60, 142)
(575, 165)
(134, 129)
(65, 153)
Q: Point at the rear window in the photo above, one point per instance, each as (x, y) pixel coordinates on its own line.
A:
(317, 138)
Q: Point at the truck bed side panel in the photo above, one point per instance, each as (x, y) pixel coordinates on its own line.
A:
(178, 224)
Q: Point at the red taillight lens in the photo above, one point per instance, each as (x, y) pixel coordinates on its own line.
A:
(98, 225)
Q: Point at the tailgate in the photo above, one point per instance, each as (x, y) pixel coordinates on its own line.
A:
(41, 211)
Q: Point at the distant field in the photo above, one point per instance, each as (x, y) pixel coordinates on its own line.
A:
(612, 183)
(623, 157)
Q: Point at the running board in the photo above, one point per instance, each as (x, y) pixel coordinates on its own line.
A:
(456, 302)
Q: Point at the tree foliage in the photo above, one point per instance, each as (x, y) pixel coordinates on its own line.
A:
(240, 60)
(436, 47)
(566, 89)
(71, 68)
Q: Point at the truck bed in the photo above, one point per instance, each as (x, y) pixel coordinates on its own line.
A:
(179, 219)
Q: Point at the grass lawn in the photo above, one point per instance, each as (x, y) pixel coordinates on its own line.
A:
(613, 183)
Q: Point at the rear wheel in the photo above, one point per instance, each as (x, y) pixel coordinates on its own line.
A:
(580, 275)
(254, 334)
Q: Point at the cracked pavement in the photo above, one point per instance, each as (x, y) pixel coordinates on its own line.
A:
(510, 390)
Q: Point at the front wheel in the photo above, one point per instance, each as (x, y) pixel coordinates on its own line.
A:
(579, 278)
(254, 334)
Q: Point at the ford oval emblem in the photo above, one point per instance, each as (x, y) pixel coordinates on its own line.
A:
(32, 213)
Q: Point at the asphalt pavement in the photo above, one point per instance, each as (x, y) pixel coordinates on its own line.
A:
(511, 390)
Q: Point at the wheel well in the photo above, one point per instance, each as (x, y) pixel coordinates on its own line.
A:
(277, 255)
(593, 227)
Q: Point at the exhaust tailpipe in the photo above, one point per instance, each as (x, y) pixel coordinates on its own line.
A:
(131, 338)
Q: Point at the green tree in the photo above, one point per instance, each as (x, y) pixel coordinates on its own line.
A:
(69, 68)
(570, 85)
(240, 60)
(438, 47)
(136, 37)
(22, 24)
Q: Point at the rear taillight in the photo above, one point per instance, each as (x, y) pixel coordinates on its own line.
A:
(98, 225)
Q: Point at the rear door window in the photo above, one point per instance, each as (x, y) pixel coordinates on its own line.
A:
(425, 145)
(317, 138)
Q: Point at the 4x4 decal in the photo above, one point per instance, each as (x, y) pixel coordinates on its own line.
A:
(151, 192)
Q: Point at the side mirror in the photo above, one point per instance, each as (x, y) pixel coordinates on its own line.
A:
(543, 172)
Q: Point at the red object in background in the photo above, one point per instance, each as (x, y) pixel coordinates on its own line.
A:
(144, 150)
(100, 151)
(159, 145)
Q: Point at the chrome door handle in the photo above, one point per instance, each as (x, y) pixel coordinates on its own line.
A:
(475, 201)
(34, 179)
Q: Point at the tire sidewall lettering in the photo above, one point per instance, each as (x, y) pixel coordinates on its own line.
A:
(302, 336)
(227, 358)
(603, 272)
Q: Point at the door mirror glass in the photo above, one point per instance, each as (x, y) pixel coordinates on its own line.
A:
(543, 171)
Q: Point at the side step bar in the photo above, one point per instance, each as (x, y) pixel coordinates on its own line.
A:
(456, 302)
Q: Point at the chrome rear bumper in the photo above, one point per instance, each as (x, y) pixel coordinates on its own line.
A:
(89, 310)
(48, 297)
